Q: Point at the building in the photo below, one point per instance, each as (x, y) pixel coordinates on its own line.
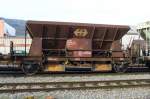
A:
(7, 34)
(1, 28)
(128, 38)
(144, 30)
(6, 29)
(19, 44)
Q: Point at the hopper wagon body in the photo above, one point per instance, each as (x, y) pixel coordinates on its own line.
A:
(62, 46)
(66, 46)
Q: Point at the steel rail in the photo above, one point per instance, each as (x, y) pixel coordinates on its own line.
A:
(74, 85)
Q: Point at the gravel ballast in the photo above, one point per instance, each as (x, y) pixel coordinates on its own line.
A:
(123, 93)
(57, 78)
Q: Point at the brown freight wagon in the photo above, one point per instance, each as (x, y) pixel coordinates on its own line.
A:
(64, 46)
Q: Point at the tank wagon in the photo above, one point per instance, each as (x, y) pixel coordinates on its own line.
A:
(64, 46)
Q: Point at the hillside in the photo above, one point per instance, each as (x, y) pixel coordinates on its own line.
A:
(19, 25)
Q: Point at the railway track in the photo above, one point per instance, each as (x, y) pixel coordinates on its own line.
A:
(80, 85)
(20, 73)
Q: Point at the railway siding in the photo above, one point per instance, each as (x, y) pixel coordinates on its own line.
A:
(71, 77)
(74, 85)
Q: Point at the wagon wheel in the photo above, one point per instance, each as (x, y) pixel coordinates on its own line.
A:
(120, 67)
(30, 67)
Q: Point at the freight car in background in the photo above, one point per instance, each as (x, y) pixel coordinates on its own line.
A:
(63, 46)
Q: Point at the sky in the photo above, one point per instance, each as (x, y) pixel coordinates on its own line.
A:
(128, 12)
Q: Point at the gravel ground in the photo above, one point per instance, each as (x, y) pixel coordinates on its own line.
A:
(123, 93)
(58, 78)
(129, 93)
